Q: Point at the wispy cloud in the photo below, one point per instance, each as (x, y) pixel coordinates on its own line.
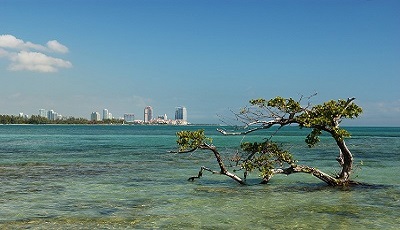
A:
(389, 107)
(55, 46)
(385, 113)
(29, 56)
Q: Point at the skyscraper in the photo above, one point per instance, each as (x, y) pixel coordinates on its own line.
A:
(95, 116)
(106, 114)
(129, 117)
(181, 114)
(148, 114)
(52, 115)
(42, 113)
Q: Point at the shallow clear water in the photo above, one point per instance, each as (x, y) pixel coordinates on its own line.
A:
(69, 177)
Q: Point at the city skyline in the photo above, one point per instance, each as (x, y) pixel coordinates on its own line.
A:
(76, 57)
(106, 114)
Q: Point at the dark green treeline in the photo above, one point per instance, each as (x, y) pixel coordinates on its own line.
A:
(34, 119)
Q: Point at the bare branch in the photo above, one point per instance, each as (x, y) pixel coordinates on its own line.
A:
(263, 125)
(239, 133)
(200, 174)
(304, 169)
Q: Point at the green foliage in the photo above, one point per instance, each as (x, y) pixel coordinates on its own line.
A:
(327, 117)
(264, 157)
(6, 119)
(327, 113)
(35, 119)
(261, 102)
(313, 138)
(189, 140)
(286, 105)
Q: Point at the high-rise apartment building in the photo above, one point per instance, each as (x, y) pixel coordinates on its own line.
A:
(95, 116)
(106, 114)
(148, 114)
(129, 117)
(52, 115)
(42, 113)
(181, 114)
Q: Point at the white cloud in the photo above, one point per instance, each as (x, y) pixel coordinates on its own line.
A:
(9, 41)
(29, 56)
(34, 61)
(3, 53)
(57, 47)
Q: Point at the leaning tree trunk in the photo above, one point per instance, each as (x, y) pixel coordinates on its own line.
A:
(346, 161)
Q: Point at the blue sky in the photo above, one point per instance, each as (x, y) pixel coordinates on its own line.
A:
(76, 57)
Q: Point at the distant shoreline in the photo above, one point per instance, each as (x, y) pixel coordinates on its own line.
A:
(116, 124)
(169, 125)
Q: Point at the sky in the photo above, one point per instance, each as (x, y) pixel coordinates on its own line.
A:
(80, 56)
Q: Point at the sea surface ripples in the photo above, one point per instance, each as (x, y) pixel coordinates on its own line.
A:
(85, 177)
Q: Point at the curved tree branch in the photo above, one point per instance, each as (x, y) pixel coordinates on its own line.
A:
(263, 125)
(223, 169)
(330, 180)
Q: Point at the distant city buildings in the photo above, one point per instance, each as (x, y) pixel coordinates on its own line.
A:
(129, 117)
(107, 115)
(163, 117)
(148, 114)
(95, 116)
(51, 115)
(181, 115)
(148, 117)
(42, 113)
(25, 116)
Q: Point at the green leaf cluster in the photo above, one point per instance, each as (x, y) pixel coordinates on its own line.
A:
(286, 105)
(188, 140)
(327, 116)
(265, 156)
(327, 113)
(313, 138)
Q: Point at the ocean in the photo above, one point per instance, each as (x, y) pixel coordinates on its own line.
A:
(123, 177)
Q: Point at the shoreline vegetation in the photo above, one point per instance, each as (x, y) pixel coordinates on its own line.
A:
(38, 120)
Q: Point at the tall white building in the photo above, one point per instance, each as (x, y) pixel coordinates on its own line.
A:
(129, 117)
(148, 114)
(52, 115)
(95, 116)
(181, 114)
(106, 114)
(42, 113)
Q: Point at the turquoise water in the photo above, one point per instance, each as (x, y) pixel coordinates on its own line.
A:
(122, 177)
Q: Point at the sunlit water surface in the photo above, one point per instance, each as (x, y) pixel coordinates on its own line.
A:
(85, 177)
